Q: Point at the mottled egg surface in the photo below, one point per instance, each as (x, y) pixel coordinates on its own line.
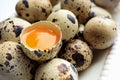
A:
(34, 10)
(78, 53)
(81, 8)
(67, 21)
(100, 32)
(56, 69)
(11, 28)
(14, 65)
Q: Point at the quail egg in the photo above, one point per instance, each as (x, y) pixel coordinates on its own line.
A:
(81, 8)
(78, 53)
(41, 41)
(11, 28)
(67, 21)
(33, 10)
(100, 32)
(54, 2)
(56, 69)
(98, 11)
(108, 4)
(14, 65)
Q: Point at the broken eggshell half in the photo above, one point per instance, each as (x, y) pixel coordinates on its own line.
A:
(41, 41)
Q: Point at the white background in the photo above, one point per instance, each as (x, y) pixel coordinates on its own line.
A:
(7, 8)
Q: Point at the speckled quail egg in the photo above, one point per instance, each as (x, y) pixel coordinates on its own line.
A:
(67, 21)
(14, 65)
(108, 4)
(11, 28)
(81, 8)
(54, 2)
(56, 69)
(78, 53)
(100, 32)
(33, 10)
(41, 41)
(98, 11)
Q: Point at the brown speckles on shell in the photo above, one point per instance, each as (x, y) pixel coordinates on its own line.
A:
(80, 8)
(97, 31)
(11, 28)
(8, 56)
(67, 22)
(114, 29)
(52, 79)
(38, 54)
(27, 14)
(11, 22)
(62, 68)
(5, 27)
(14, 62)
(43, 10)
(73, 30)
(65, 1)
(79, 59)
(68, 26)
(11, 67)
(6, 63)
(17, 30)
(78, 53)
(33, 11)
(19, 47)
(77, 46)
(74, 69)
(54, 20)
(26, 4)
(56, 69)
(19, 14)
(71, 18)
(1, 65)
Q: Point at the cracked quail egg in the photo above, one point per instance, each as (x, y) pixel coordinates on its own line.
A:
(56, 69)
(11, 28)
(14, 65)
(41, 41)
(34, 10)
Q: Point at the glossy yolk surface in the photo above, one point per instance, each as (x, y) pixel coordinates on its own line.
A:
(42, 39)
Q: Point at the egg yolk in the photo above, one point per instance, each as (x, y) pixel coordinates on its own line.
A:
(43, 38)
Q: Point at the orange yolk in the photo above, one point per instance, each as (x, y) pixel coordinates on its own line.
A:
(43, 38)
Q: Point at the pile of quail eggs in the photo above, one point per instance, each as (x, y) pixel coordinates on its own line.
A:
(86, 25)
